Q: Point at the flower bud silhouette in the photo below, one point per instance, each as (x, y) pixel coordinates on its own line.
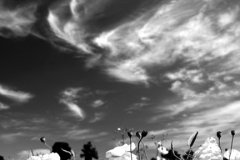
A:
(233, 132)
(144, 133)
(139, 134)
(43, 139)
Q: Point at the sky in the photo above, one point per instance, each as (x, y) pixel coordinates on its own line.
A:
(76, 70)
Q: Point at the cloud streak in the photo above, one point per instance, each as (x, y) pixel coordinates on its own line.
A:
(18, 96)
(17, 21)
(69, 97)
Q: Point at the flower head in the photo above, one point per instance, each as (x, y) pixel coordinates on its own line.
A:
(130, 134)
(51, 156)
(144, 133)
(235, 154)
(233, 132)
(139, 134)
(209, 150)
(219, 134)
(121, 153)
(43, 139)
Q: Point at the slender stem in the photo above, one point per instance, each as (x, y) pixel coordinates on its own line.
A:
(231, 148)
(131, 147)
(138, 149)
(48, 146)
(176, 156)
(219, 145)
(144, 150)
(190, 149)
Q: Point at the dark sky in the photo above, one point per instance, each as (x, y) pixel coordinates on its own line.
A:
(75, 71)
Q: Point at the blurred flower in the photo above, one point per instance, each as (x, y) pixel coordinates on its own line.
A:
(130, 134)
(144, 133)
(233, 132)
(209, 150)
(121, 153)
(139, 134)
(51, 156)
(43, 139)
(235, 155)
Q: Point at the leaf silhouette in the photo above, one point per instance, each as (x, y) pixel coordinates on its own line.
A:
(192, 139)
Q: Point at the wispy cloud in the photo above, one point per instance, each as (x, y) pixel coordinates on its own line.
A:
(18, 96)
(97, 117)
(68, 98)
(3, 106)
(83, 134)
(136, 106)
(222, 117)
(16, 22)
(11, 137)
(75, 109)
(97, 103)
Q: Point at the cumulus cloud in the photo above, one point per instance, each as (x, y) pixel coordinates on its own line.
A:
(18, 96)
(68, 98)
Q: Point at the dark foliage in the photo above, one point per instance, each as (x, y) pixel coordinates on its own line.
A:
(89, 152)
(188, 155)
(170, 155)
(1, 157)
(57, 148)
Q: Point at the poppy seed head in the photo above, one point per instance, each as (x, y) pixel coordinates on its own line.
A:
(43, 139)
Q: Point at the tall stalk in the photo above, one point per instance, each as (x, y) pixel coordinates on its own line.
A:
(232, 133)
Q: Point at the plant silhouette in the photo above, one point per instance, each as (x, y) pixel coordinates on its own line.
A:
(89, 152)
(170, 155)
(188, 155)
(57, 148)
(1, 157)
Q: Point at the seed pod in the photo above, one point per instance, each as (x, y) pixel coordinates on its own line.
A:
(130, 134)
(219, 134)
(192, 139)
(43, 139)
(139, 134)
(144, 133)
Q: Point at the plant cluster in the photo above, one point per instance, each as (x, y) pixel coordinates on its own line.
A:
(170, 154)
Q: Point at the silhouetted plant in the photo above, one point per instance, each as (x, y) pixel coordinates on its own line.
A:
(188, 155)
(89, 152)
(59, 148)
(171, 156)
(1, 157)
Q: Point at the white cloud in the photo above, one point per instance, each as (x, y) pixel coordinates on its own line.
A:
(19, 20)
(97, 117)
(97, 103)
(69, 98)
(207, 121)
(11, 137)
(75, 109)
(83, 134)
(3, 106)
(18, 96)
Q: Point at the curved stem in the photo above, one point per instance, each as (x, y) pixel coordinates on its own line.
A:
(231, 148)
(48, 146)
(190, 149)
(138, 149)
(144, 150)
(131, 147)
(219, 145)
